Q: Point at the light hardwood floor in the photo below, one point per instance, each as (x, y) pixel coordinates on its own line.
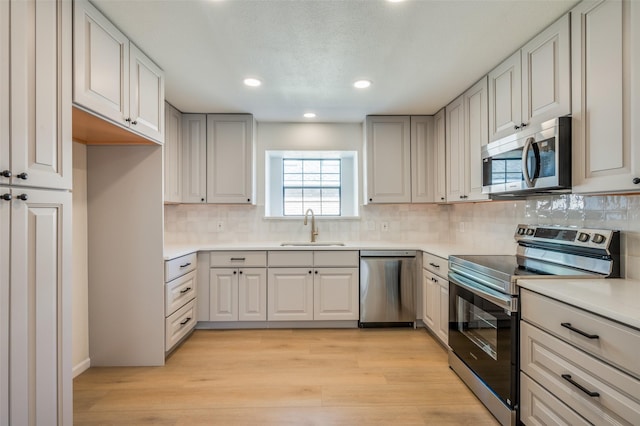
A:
(285, 377)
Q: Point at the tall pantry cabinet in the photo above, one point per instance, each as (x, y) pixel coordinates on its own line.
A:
(35, 208)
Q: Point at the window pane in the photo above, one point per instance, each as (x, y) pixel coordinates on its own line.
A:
(311, 184)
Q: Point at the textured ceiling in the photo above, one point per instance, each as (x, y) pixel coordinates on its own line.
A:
(418, 54)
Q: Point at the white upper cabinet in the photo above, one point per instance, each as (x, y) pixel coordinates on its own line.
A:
(230, 159)
(388, 159)
(606, 96)
(439, 133)
(194, 158)
(113, 78)
(466, 133)
(505, 100)
(532, 85)
(172, 155)
(423, 160)
(35, 105)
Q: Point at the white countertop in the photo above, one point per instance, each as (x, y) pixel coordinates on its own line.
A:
(617, 299)
(172, 251)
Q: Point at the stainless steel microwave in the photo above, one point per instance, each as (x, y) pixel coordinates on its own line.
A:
(537, 159)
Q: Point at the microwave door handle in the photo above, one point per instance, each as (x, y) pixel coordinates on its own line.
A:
(536, 154)
(525, 163)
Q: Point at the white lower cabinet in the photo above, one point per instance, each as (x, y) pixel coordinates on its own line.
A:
(571, 354)
(335, 294)
(237, 294)
(436, 296)
(180, 298)
(290, 294)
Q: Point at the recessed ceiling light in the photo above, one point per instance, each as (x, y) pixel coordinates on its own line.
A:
(309, 115)
(362, 84)
(252, 82)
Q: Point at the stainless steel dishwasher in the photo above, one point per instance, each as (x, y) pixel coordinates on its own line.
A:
(387, 288)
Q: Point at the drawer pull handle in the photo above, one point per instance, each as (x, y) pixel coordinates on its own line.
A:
(185, 265)
(237, 259)
(434, 265)
(568, 378)
(185, 290)
(185, 321)
(580, 332)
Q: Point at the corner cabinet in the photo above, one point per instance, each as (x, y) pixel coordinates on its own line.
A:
(113, 78)
(230, 159)
(534, 84)
(172, 154)
(466, 133)
(606, 117)
(388, 159)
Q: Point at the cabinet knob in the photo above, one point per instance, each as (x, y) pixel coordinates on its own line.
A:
(523, 125)
(235, 272)
(240, 272)
(370, 199)
(134, 122)
(128, 120)
(516, 127)
(23, 176)
(6, 173)
(6, 197)
(442, 198)
(248, 200)
(316, 272)
(23, 197)
(202, 199)
(636, 180)
(309, 271)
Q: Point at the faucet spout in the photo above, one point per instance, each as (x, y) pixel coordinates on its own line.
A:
(314, 230)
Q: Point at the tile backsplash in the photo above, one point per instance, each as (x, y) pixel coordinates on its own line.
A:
(489, 224)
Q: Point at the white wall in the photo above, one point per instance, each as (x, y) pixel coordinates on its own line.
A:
(80, 315)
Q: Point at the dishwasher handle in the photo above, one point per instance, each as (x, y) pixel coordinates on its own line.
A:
(388, 253)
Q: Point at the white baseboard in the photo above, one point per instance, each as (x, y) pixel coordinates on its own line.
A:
(81, 367)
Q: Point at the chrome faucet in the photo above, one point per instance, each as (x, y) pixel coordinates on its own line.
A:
(314, 230)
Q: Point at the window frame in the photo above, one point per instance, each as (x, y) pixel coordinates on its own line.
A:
(304, 187)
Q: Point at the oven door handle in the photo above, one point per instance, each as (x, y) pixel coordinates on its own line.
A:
(502, 300)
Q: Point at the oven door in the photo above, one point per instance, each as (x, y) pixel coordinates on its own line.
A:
(483, 333)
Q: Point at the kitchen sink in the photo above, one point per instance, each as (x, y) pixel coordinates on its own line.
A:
(309, 243)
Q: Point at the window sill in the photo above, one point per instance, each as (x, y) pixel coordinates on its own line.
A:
(319, 218)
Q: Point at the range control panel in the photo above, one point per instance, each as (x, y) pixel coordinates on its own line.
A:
(579, 237)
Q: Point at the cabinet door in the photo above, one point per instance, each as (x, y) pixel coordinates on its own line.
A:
(476, 136)
(439, 162)
(252, 294)
(146, 95)
(194, 158)
(290, 294)
(443, 329)
(40, 109)
(172, 155)
(456, 168)
(423, 160)
(388, 159)
(546, 74)
(230, 159)
(606, 117)
(505, 102)
(431, 292)
(336, 294)
(39, 349)
(101, 64)
(223, 295)
(5, 137)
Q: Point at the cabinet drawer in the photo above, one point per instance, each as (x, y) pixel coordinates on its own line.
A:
(539, 408)
(570, 374)
(179, 324)
(238, 259)
(179, 266)
(180, 291)
(616, 344)
(336, 259)
(435, 264)
(293, 258)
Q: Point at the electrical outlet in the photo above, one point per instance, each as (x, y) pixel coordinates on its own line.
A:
(385, 226)
(220, 226)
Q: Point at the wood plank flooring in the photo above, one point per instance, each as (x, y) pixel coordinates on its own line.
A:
(285, 377)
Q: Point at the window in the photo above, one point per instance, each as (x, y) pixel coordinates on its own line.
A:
(324, 181)
(311, 184)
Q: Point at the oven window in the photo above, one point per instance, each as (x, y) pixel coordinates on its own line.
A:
(479, 326)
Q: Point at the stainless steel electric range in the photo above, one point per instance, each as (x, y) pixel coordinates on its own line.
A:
(483, 303)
